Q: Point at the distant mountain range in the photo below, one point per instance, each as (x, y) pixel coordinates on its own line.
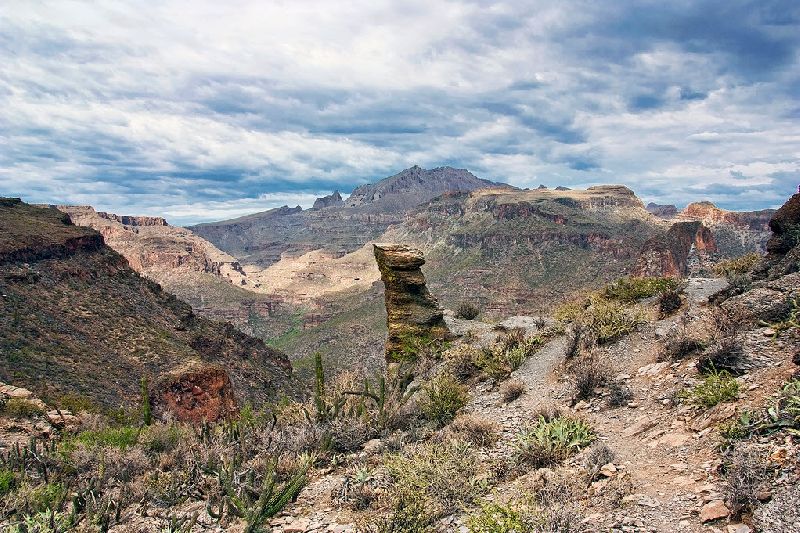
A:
(305, 279)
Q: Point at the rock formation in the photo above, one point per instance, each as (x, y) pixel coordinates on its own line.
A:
(413, 315)
(332, 200)
(670, 255)
(194, 394)
(785, 226)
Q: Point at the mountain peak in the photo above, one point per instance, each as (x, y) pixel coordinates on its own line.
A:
(414, 186)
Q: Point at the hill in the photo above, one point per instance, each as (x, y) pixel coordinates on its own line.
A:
(77, 320)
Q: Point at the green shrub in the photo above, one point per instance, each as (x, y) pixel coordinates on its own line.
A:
(571, 310)
(7, 482)
(161, 438)
(45, 497)
(497, 518)
(77, 403)
(122, 437)
(607, 320)
(442, 397)
(717, 387)
(21, 408)
(548, 442)
(446, 475)
(630, 290)
(737, 266)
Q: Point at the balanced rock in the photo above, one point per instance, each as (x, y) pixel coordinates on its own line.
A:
(413, 315)
(193, 394)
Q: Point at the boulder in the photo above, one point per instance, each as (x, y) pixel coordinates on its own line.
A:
(193, 394)
(413, 315)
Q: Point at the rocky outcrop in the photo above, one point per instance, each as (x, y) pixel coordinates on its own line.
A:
(194, 394)
(662, 211)
(332, 200)
(671, 254)
(413, 314)
(785, 226)
(736, 233)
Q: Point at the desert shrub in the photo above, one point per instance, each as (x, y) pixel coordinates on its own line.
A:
(598, 455)
(161, 438)
(359, 488)
(619, 394)
(607, 321)
(569, 311)
(717, 387)
(511, 390)
(670, 301)
(784, 413)
(726, 354)
(479, 431)
(547, 442)
(446, 475)
(121, 438)
(441, 399)
(21, 408)
(590, 371)
(726, 351)
(410, 513)
(791, 321)
(462, 360)
(467, 311)
(679, 343)
(633, 289)
(746, 472)
(507, 353)
(737, 266)
(497, 518)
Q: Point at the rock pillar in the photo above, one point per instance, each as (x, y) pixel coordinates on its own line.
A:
(413, 315)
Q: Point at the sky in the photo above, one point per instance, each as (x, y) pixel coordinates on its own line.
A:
(203, 110)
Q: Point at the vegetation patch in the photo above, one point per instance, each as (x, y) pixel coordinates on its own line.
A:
(550, 441)
(467, 311)
(442, 397)
(738, 266)
(717, 387)
(20, 408)
(629, 290)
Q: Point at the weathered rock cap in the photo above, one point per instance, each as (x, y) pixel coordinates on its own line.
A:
(398, 256)
(194, 393)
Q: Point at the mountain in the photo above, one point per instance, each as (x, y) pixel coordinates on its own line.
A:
(78, 320)
(338, 228)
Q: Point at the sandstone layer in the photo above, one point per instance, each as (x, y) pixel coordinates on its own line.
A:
(413, 314)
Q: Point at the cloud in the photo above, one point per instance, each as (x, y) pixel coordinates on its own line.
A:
(201, 110)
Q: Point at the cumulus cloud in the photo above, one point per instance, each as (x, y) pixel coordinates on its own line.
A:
(204, 110)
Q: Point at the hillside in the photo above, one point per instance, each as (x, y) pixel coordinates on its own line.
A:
(655, 404)
(77, 320)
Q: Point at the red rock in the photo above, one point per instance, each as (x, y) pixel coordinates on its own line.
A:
(713, 510)
(194, 394)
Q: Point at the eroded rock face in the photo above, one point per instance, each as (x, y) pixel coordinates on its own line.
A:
(332, 200)
(412, 312)
(785, 226)
(194, 394)
(672, 254)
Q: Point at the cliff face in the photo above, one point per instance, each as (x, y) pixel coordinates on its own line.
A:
(686, 246)
(76, 319)
(736, 233)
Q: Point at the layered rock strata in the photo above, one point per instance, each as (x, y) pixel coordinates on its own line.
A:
(413, 314)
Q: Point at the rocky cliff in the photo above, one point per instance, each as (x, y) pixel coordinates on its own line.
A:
(686, 247)
(736, 232)
(76, 319)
